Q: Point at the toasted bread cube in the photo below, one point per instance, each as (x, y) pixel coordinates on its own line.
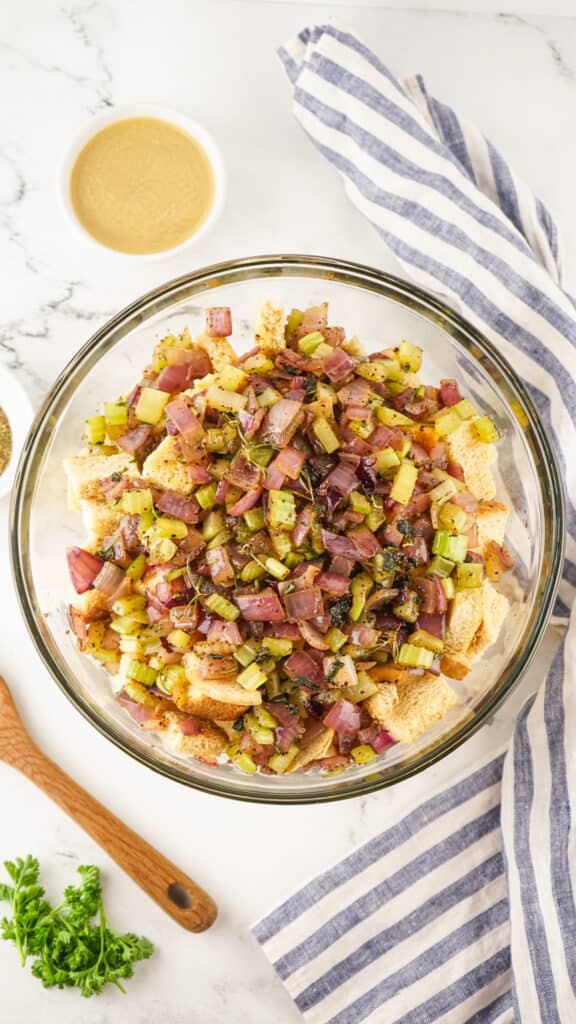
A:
(475, 457)
(464, 620)
(419, 704)
(219, 350)
(92, 604)
(319, 747)
(101, 519)
(495, 609)
(269, 327)
(455, 666)
(491, 518)
(85, 472)
(165, 468)
(212, 698)
(206, 745)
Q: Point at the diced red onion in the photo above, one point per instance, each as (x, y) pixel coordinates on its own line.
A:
(455, 469)
(226, 631)
(221, 491)
(386, 437)
(290, 462)
(312, 636)
(198, 474)
(221, 569)
(358, 392)
(417, 551)
(465, 500)
(219, 322)
(337, 545)
(262, 607)
(274, 478)
(196, 359)
(108, 579)
(449, 392)
(282, 713)
(175, 505)
(134, 439)
(83, 568)
(285, 735)
(79, 625)
(365, 543)
(251, 422)
(342, 478)
(379, 739)
(174, 378)
(184, 419)
(344, 717)
(341, 566)
(112, 489)
(314, 318)
(363, 636)
(282, 422)
(338, 365)
(189, 726)
(433, 624)
(245, 503)
(333, 584)
(303, 604)
(139, 712)
(244, 474)
(303, 526)
(431, 592)
(392, 535)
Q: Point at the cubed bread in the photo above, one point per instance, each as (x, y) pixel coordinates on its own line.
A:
(456, 666)
(495, 610)
(475, 457)
(269, 327)
(219, 350)
(92, 604)
(165, 468)
(85, 472)
(207, 745)
(381, 703)
(101, 519)
(419, 704)
(464, 619)
(491, 518)
(319, 747)
(212, 698)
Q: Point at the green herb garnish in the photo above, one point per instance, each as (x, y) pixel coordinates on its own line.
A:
(69, 948)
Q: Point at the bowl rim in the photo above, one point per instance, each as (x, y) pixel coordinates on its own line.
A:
(176, 118)
(391, 287)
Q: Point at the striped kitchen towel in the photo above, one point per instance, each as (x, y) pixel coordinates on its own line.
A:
(463, 911)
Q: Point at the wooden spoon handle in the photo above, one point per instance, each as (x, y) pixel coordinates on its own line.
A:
(171, 889)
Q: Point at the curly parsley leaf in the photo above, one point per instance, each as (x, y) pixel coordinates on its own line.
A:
(73, 944)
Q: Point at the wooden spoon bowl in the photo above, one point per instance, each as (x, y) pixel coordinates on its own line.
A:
(169, 887)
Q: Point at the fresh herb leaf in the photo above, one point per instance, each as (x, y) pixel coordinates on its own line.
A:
(405, 528)
(70, 950)
(339, 610)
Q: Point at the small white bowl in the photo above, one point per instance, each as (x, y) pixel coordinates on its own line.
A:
(197, 131)
(19, 413)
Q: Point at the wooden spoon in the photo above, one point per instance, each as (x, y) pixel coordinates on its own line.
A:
(171, 889)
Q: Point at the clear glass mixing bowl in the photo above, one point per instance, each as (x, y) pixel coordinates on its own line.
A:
(382, 310)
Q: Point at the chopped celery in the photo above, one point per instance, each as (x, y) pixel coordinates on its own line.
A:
(293, 321)
(95, 430)
(440, 566)
(276, 569)
(375, 517)
(252, 571)
(258, 363)
(170, 676)
(251, 678)
(162, 549)
(116, 414)
(292, 559)
(214, 523)
(130, 623)
(281, 762)
(446, 422)
(359, 503)
(363, 428)
(465, 409)
(104, 655)
(380, 370)
(409, 610)
(179, 639)
(363, 754)
(139, 694)
(261, 454)
(469, 575)
(221, 538)
(282, 545)
(452, 546)
(281, 510)
(219, 468)
(452, 518)
(137, 501)
(391, 418)
(141, 672)
(336, 638)
(254, 519)
(364, 688)
(147, 519)
(424, 639)
(259, 733)
(386, 458)
(246, 654)
(95, 635)
(444, 490)
(360, 587)
(225, 401)
(325, 434)
(278, 647)
(206, 496)
(404, 482)
(415, 657)
(322, 351)
(231, 378)
(449, 587)
(245, 763)
(310, 342)
(219, 439)
(129, 604)
(173, 528)
(220, 606)
(410, 356)
(264, 717)
(268, 398)
(485, 430)
(150, 405)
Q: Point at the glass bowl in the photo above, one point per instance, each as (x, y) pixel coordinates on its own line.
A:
(382, 310)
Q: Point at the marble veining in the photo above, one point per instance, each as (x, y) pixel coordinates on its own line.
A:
(215, 60)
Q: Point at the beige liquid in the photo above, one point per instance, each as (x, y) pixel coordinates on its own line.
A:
(142, 185)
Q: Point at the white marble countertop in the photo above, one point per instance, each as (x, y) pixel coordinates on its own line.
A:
(516, 75)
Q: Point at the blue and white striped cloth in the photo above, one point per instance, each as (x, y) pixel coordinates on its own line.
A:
(464, 910)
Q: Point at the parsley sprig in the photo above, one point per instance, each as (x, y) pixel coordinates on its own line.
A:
(72, 944)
